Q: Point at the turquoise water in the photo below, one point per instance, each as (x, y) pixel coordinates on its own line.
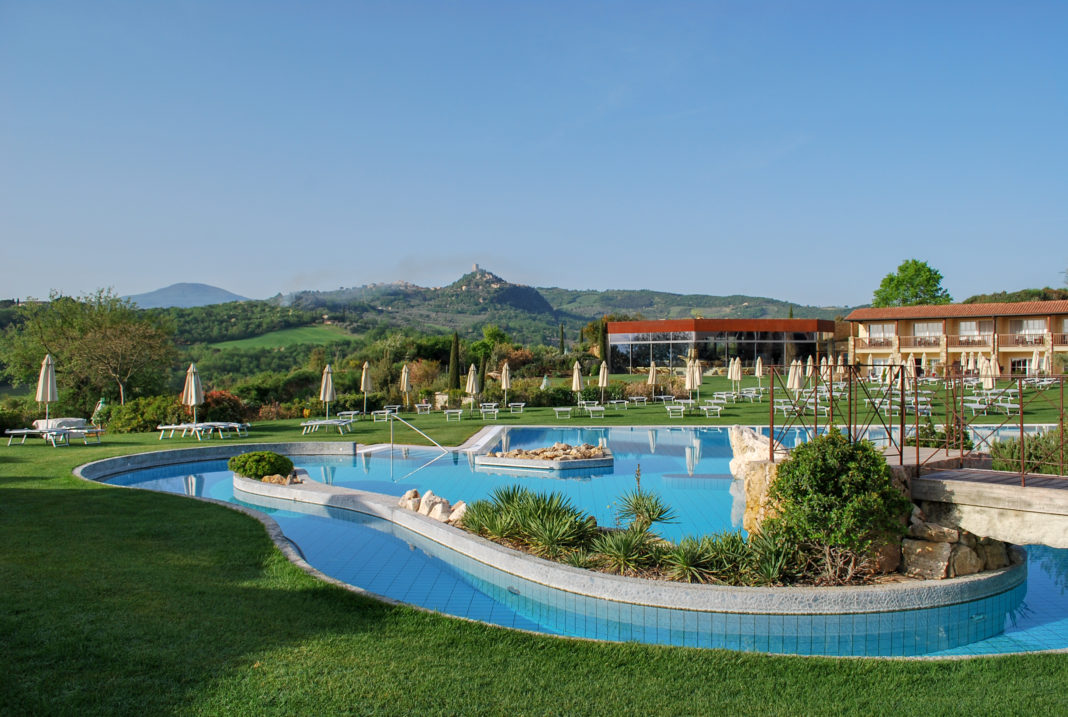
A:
(688, 467)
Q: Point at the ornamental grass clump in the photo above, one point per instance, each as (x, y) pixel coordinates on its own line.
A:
(836, 504)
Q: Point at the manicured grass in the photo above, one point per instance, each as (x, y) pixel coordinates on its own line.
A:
(317, 334)
(116, 601)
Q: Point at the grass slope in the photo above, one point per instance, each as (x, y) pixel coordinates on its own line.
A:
(117, 601)
(317, 334)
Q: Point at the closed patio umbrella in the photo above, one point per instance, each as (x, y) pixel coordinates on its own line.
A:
(910, 368)
(405, 382)
(602, 379)
(995, 367)
(840, 371)
(793, 378)
(986, 373)
(326, 388)
(46, 383)
(506, 381)
(688, 383)
(1036, 362)
(193, 392)
(576, 380)
(810, 367)
(472, 382)
(1046, 367)
(970, 367)
(825, 370)
(545, 382)
(365, 384)
(758, 371)
(698, 376)
(651, 381)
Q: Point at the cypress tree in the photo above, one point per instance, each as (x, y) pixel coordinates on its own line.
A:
(454, 361)
(482, 374)
(562, 349)
(604, 343)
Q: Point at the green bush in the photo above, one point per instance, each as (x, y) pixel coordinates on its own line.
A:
(831, 492)
(144, 414)
(258, 464)
(1042, 453)
(930, 437)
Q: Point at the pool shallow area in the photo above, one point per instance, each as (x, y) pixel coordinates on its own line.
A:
(689, 468)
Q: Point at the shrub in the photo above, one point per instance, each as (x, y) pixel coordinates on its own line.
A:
(831, 492)
(1041, 453)
(222, 406)
(258, 464)
(144, 414)
(930, 437)
(640, 509)
(624, 551)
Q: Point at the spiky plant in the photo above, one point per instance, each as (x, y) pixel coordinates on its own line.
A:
(623, 551)
(687, 561)
(640, 509)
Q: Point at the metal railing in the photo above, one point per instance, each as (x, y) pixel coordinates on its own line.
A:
(890, 402)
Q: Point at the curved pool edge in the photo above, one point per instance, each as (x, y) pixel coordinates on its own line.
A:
(641, 592)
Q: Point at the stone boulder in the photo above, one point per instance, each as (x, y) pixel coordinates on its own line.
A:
(458, 512)
(748, 446)
(963, 561)
(440, 510)
(427, 502)
(933, 532)
(926, 560)
(994, 554)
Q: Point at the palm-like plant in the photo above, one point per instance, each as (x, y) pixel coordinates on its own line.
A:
(623, 551)
(641, 509)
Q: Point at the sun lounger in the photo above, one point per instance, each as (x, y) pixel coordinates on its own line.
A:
(595, 411)
(516, 407)
(675, 410)
(710, 408)
(562, 411)
(57, 431)
(489, 412)
(341, 424)
(453, 414)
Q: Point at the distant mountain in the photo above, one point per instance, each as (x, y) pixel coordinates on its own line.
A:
(184, 296)
(1012, 297)
(526, 313)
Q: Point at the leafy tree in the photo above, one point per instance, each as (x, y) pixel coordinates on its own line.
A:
(454, 362)
(100, 342)
(914, 282)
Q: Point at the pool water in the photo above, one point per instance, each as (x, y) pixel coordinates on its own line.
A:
(687, 467)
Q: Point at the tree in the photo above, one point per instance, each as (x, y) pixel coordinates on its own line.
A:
(454, 361)
(101, 343)
(563, 348)
(914, 282)
(605, 349)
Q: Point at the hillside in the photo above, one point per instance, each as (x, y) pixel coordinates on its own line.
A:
(184, 296)
(1044, 294)
(664, 305)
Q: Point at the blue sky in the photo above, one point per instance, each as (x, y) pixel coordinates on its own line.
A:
(794, 150)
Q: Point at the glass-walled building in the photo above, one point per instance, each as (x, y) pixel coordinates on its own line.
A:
(668, 341)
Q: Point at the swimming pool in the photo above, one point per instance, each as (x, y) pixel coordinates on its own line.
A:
(687, 466)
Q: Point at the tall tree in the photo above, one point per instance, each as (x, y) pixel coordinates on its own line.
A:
(604, 347)
(914, 283)
(101, 343)
(563, 348)
(454, 361)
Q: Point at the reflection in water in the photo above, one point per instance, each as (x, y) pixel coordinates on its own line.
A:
(194, 484)
(1054, 562)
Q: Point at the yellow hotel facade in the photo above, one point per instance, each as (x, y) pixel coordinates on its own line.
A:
(946, 333)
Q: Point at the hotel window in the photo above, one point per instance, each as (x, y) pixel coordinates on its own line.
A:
(976, 328)
(881, 331)
(1027, 326)
(927, 328)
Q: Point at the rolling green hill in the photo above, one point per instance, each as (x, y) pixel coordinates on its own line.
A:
(318, 334)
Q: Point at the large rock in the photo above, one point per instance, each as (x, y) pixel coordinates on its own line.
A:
(458, 512)
(994, 553)
(964, 561)
(756, 478)
(887, 557)
(410, 504)
(934, 533)
(923, 559)
(748, 446)
(440, 510)
(427, 502)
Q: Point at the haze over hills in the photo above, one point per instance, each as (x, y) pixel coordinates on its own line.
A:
(184, 295)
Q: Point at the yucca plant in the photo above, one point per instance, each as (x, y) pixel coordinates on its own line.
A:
(768, 556)
(641, 509)
(727, 555)
(623, 551)
(477, 515)
(688, 561)
(509, 496)
(551, 535)
(579, 558)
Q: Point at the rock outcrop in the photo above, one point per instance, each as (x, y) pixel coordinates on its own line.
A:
(751, 466)
(555, 452)
(432, 506)
(934, 552)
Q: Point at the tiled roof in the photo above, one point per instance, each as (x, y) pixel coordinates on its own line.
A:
(963, 311)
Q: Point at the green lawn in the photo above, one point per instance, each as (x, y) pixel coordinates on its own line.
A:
(117, 601)
(317, 334)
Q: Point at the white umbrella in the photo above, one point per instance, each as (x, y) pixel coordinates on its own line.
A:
(839, 372)
(545, 382)
(986, 372)
(365, 384)
(698, 377)
(825, 370)
(576, 379)
(1036, 361)
(810, 366)
(405, 382)
(689, 376)
(758, 371)
(193, 392)
(506, 381)
(996, 368)
(971, 362)
(46, 383)
(326, 388)
(602, 379)
(793, 378)
(1046, 368)
(910, 368)
(472, 381)
(923, 361)
(651, 381)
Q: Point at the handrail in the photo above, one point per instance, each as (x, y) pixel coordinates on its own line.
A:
(395, 417)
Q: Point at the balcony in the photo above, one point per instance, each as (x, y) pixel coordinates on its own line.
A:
(970, 341)
(1060, 339)
(921, 342)
(1022, 340)
(869, 343)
